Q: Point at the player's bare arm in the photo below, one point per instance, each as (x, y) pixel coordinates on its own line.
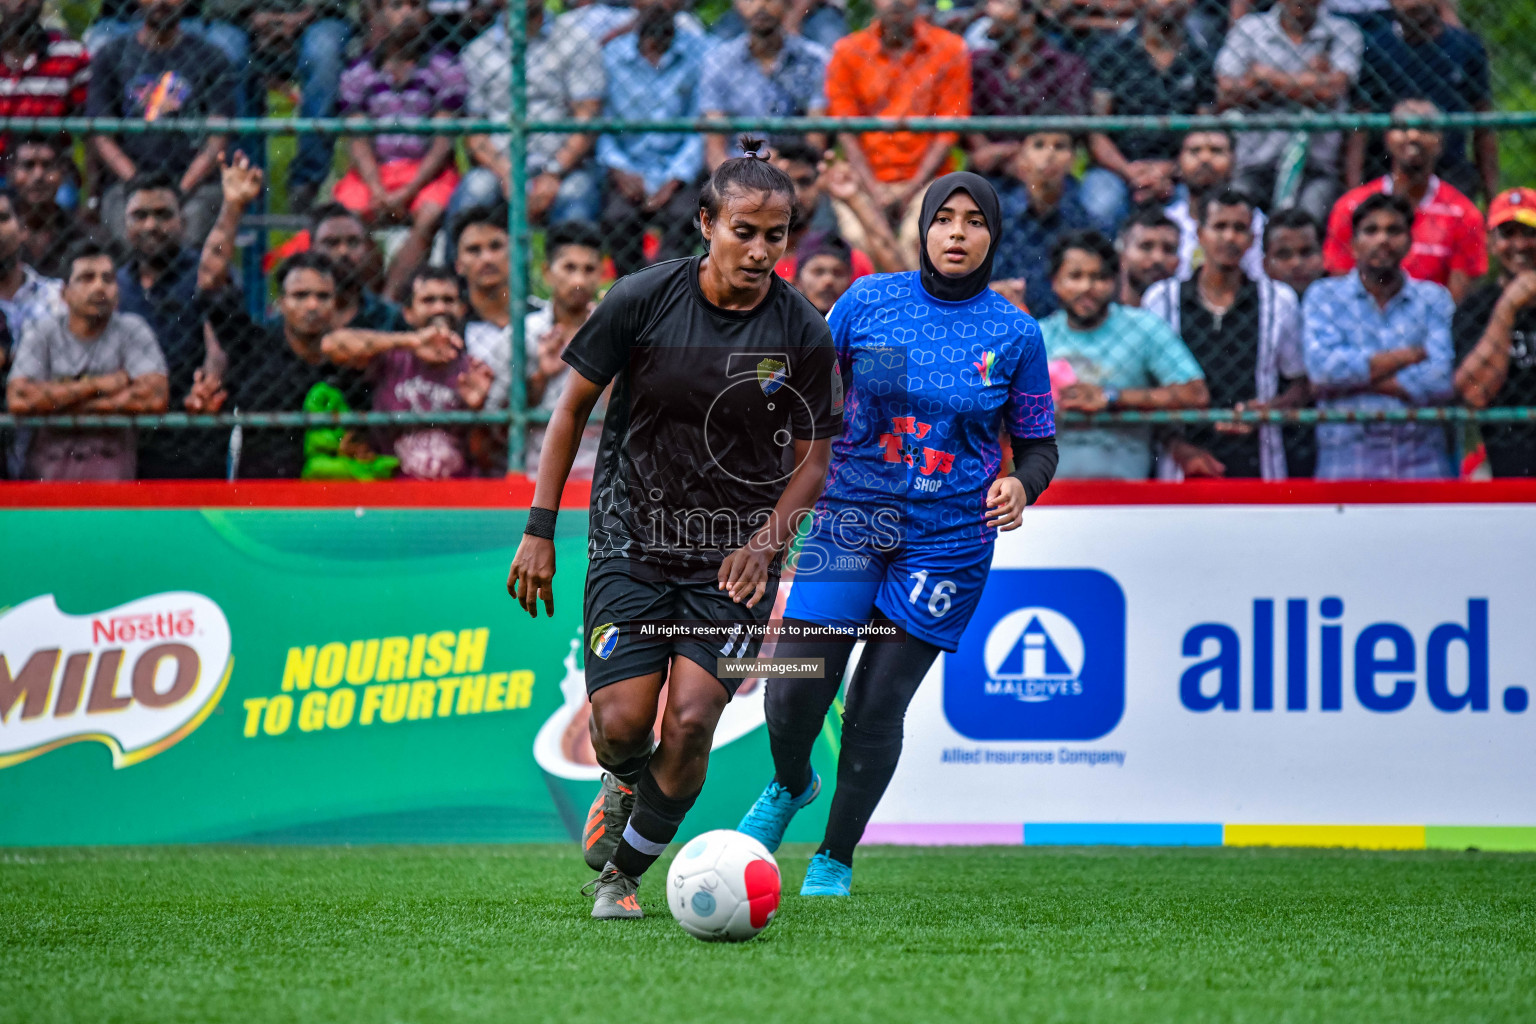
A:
(533, 567)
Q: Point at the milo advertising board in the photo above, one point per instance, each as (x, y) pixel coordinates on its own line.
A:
(307, 675)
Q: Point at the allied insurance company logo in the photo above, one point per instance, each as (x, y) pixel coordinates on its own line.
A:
(137, 678)
(1042, 659)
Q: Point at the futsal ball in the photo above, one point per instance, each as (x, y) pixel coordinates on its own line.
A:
(723, 887)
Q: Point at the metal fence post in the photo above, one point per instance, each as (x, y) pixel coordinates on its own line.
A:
(517, 234)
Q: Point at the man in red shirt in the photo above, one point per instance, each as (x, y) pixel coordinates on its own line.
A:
(1449, 244)
(42, 73)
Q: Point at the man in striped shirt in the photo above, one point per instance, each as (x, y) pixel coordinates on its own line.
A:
(43, 73)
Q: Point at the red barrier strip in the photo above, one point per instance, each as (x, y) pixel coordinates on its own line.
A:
(513, 492)
(517, 492)
(1290, 492)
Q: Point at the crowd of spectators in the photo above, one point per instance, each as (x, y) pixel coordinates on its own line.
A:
(1245, 269)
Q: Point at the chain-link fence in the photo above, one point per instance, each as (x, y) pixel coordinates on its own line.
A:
(357, 237)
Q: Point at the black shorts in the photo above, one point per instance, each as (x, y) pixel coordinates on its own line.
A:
(618, 603)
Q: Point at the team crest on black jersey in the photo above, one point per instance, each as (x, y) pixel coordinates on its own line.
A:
(604, 639)
(771, 375)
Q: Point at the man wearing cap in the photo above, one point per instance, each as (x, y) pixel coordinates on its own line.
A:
(1495, 335)
(1449, 247)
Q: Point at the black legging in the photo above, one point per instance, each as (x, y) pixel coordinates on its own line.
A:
(884, 684)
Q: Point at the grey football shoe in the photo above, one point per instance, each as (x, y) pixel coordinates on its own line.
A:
(615, 895)
(606, 820)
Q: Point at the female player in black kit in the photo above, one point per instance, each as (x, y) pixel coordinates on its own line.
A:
(717, 438)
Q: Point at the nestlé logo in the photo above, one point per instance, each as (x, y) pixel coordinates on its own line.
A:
(137, 678)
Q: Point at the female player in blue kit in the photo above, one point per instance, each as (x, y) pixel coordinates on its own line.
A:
(936, 366)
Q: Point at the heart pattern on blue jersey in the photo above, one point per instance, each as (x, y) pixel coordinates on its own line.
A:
(916, 358)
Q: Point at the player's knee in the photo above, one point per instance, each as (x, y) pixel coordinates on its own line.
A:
(691, 727)
(873, 732)
(618, 733)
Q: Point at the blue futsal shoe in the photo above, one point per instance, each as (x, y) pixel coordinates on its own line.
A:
(770, 816)
(827, 877)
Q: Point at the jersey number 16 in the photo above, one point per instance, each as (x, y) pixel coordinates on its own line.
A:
(938, 599)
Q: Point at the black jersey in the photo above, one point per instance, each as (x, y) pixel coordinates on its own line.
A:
(707, 403)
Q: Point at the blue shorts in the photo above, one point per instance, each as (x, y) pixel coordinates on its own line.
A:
(932, 593)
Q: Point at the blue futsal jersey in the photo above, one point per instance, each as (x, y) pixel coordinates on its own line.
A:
(930, 386)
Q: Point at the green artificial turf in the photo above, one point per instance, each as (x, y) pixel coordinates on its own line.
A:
(463, 933)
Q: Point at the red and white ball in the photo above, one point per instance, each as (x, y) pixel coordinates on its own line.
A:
(723, 887)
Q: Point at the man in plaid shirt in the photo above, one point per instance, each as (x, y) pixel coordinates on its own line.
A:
(43, 73)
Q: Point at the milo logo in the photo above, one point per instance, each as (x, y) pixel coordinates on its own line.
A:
(137, 678)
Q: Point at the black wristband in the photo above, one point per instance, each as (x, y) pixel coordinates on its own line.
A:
(1034, 464)
(541, 523)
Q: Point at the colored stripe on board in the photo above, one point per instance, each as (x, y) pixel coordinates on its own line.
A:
(902, 834)
(1357, 837)
(1509, 838)
(1118, 834)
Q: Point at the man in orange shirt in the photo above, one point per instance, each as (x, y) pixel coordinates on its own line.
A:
(1449, 244)
(900, 66)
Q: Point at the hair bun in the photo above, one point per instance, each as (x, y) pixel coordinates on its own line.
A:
(752, 147)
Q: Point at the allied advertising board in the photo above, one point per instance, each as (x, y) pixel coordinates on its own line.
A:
(1229, 674)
